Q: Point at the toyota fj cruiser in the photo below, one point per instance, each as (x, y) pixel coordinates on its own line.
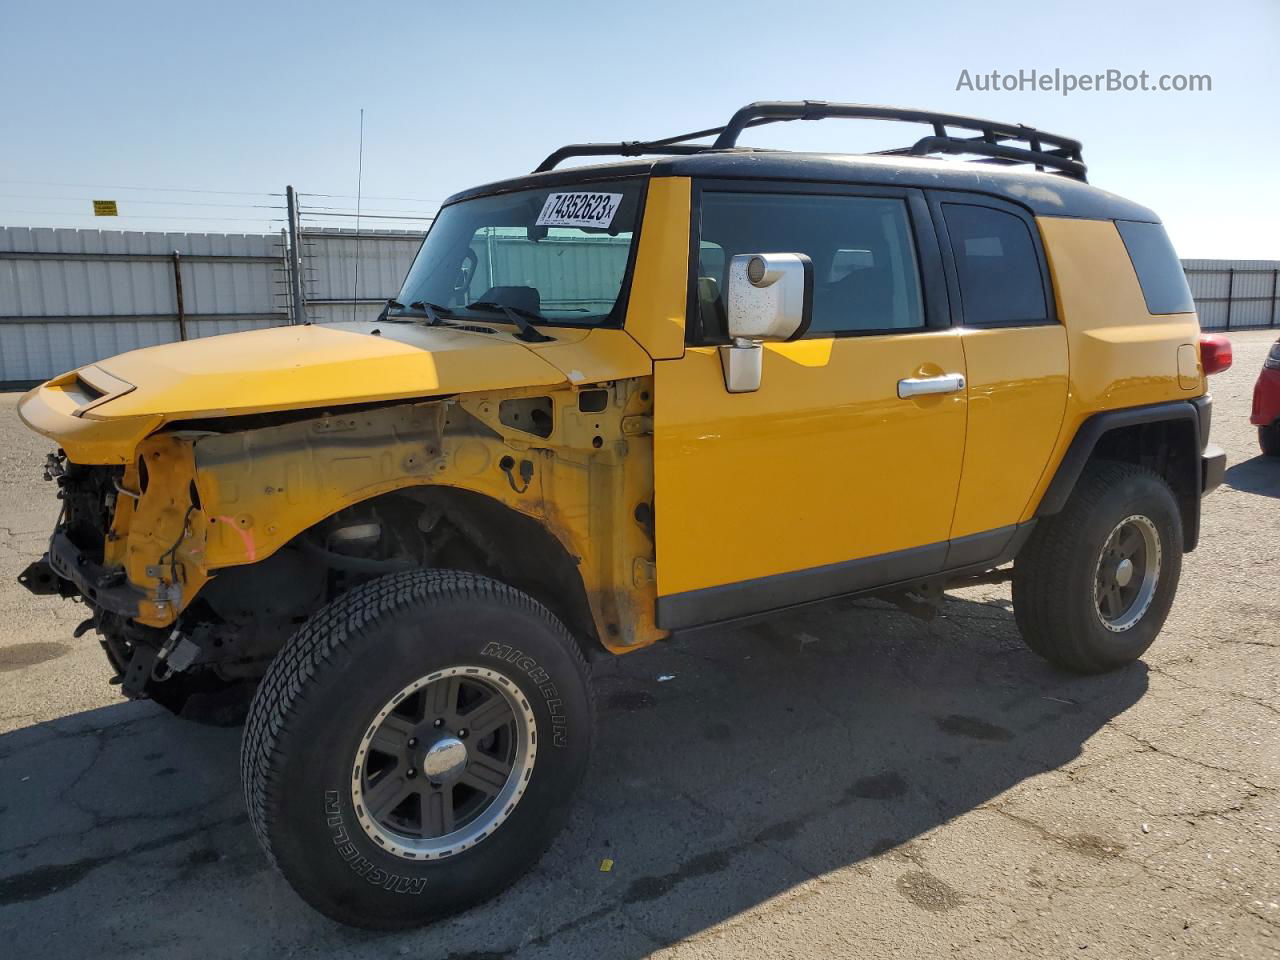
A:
(613, 402)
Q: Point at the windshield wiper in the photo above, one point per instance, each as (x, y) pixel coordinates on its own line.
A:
(432, 312)
(528, 332)
(391, 304)
(435, 313)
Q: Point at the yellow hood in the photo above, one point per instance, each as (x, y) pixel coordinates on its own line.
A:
(293, 368)
(99, 413)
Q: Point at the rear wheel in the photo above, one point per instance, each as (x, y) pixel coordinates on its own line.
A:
(413, 749)
(1094, 584)
(1269, 439)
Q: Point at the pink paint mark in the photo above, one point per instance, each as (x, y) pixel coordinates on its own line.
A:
(250, 550)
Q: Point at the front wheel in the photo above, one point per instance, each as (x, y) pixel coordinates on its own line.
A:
(1094, 584)
(413, 749)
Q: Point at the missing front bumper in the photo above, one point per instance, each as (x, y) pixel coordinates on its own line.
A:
(104, 587)
(40, 579)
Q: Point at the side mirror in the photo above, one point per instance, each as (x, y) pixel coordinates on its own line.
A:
(770, 297)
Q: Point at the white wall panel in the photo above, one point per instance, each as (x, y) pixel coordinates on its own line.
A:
(1235, 294)
(69, 297)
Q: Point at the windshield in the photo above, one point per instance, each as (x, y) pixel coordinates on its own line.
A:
(557, 253)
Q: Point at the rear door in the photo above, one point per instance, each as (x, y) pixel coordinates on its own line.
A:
(826, 479)
(1016, 357)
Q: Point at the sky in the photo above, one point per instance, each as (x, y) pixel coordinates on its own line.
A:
(195, 116)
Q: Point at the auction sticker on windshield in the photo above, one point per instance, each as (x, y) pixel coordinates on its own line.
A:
(579, 210)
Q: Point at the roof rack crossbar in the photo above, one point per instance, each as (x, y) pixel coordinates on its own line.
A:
(1047, 151)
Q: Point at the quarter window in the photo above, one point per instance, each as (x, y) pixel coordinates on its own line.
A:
(864, 263)
(1160, 274)
(999, 273)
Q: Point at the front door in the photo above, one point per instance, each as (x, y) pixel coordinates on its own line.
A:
(834, 475)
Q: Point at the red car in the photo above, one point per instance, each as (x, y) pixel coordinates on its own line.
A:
(1266, 403)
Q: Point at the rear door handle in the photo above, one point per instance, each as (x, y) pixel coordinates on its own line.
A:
(921, 386)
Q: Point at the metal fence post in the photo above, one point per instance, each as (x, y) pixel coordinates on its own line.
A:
(177, 293)
(299, 310)
(288, 273)
(1231, 292)
(1275, 277)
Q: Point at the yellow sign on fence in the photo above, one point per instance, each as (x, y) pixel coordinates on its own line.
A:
(105, 208)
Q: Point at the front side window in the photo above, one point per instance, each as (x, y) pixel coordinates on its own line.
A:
(999, 273)
(558, 252)
(865, 273)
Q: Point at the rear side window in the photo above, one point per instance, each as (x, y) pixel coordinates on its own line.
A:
(864, 264)
(1000, 279)
(1164, 285)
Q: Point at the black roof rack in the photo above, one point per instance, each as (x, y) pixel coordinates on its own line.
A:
(995, 142)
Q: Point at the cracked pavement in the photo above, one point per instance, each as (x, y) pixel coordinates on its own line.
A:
(842, 780)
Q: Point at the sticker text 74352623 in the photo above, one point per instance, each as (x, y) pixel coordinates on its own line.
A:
(579, 210)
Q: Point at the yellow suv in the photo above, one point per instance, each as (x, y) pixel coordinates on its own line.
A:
(612, 402)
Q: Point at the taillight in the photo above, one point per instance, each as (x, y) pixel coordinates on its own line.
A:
(1215, 353)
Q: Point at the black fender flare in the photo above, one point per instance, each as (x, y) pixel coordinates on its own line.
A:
(1195, 412)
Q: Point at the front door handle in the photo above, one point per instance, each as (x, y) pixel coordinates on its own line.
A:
(921, 386)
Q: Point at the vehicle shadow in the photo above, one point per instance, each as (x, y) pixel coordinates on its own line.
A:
(730, 767)
(1260, 475)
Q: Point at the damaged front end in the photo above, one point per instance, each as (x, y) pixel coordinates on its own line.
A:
(203, 553)
(124, 545)
(197, 559)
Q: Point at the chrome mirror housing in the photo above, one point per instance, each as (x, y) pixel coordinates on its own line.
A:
(770, 297)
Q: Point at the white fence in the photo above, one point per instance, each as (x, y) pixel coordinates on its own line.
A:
(69, 297)
(1235, 294)
(329, 259)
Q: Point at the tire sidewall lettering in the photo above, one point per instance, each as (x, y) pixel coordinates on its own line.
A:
(359, 864)
(540, 679)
